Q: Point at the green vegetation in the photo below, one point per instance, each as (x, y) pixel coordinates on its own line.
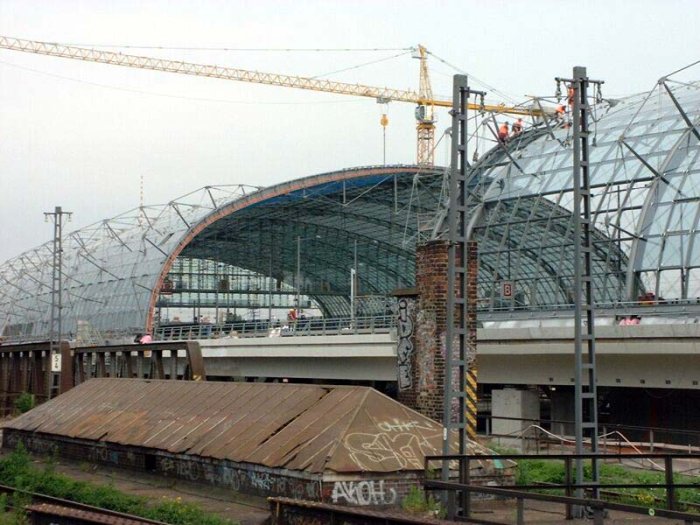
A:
(416, 502)
(530, 472)
(17, 470)
(24, 402)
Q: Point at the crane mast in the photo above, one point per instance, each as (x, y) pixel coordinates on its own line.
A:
(425, 122)
(425, 113)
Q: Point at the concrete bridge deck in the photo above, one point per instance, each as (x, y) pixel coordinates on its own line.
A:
(652, 355)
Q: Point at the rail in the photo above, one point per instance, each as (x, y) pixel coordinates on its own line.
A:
(459, 487)
(48, 509)
(284, 511)
(315, 326)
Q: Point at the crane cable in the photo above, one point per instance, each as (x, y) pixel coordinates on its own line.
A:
(358, 66)
(243, 49)
(487, 86)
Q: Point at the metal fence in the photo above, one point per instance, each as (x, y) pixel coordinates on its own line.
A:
(314, 326)
(460, 488)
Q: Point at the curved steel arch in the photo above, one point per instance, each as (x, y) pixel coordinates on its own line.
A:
(281, 192)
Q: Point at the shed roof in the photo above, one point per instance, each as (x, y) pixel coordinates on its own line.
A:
(308, 428)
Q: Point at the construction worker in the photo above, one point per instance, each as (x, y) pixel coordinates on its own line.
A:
(570, 96)
(503, 133)
(517, 128)
(561, 111)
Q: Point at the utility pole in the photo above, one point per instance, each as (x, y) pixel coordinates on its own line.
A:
(298, 274)
(586, 394)
(56, 328)
(458, 328)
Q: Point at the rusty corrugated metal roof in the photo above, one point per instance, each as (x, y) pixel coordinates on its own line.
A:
(308, 428)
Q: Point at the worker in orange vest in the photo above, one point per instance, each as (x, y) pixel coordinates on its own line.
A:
(503, 133)
(517, 128)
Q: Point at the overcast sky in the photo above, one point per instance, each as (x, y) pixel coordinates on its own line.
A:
(82, 135)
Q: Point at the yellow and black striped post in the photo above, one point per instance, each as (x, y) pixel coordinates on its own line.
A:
(471, 400)
(471, 382)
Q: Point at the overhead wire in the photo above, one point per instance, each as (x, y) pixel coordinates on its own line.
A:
(682, 69)
(358, 66)
(168, 95)
(245, 49)
(476, 79)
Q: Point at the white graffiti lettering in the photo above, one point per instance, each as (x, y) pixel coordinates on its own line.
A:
(394, 452)
(404, 351)
(363, 493)
(404, 426)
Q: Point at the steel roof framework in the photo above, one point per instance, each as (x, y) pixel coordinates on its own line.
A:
(645, 179)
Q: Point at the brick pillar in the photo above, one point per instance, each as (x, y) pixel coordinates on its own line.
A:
(430, 316)
(429, 324)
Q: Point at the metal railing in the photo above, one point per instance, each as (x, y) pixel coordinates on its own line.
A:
(315, 326)
(459, 487)
(545, 434)
(655, 308)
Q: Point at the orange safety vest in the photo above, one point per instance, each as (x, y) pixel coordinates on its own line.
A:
(503, 130)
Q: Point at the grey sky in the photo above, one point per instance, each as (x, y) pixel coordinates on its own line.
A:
(81, 135)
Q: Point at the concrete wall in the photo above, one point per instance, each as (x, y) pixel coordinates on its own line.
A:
(513, 403)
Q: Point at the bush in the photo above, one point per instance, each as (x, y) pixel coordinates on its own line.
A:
(16, 470)
(416, 502)
(24, 402)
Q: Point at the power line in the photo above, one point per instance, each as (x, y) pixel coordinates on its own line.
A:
(246, 49)
(471, 76)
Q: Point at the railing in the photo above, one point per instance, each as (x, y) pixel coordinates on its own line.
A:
(459, 487)
(184, 361)
(315, 326)
(30, 368)
(545, 434)
(655, 308)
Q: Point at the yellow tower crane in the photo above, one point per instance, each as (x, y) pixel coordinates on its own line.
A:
(425, 121)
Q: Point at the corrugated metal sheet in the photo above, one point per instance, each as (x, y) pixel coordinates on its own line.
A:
(300, 427)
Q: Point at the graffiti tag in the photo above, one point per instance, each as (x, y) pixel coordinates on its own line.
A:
(363, 493)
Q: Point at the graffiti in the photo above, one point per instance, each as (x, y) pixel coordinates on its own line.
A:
(243, 480)
(296, 517)
(426, 336)
(404, 426)
(33, 444)
(363, 493)
(404, 350)
(104, 455)
(393, 452)
(260, 480)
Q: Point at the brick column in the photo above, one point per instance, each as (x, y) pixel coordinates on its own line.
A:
(429, 324)
(430, 316)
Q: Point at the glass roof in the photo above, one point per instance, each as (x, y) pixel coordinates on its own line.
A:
(244, 247)
(645, 179)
